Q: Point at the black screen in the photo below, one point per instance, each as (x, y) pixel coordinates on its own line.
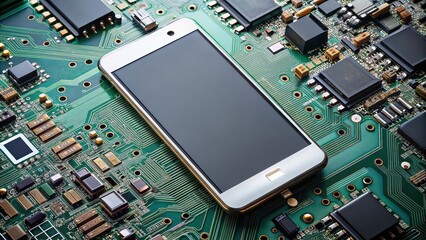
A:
(18, 148)
(214, 113)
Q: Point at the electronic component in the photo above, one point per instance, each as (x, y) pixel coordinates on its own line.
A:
(80, 16)
(92, 185)
(348, 81)
(421, 90)
(81, 174)
(24, 184)
(104, 228)
(101, 164)
(140, 185)
(92, 224)
(365, 218)
(379, 99)
(287, 17)
(47, 190)
(388, 23)
(382, 119)
(25, 202)
(357, 13)
(112, 158)
(307, 34)
(114, 204)
(412, 57)
(361, 39)
(44, 127)
(332, 54)
(35, 219)
(9, 94)
(418, 178)
(142, 17)
(6, 117)
(251, 13)
(301, 71)
(305, 11)
(72, 197)
(85, 217)
(350, 45)
(286, 225)
(16, 233)
(40, 120)
(36, 194)
(22, 73)
(329, 7)
(381, 10)
(56, 179)
(67, 148)
(63, 145)
(50, 134)
(127, 234)
(276, 48)
(8, 208)
(414, 130)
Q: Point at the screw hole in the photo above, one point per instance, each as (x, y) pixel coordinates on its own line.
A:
(72, 64)
(79, 138)
(24, 42)
(297, 94)
(102, 126)
(62, 98)
(89, 61)
(170, 33)
(350, 187)
(263, 237)
(378, 161)
(192, 7)
(284, 78)
(317, 191)
(309, 109)
(167, 220)
(118, 41)
(87, 84)
(325, 202)
(136, 153)
(367, 181)
(46, 43)
(87, 127)
(137, 172)
(185, 216)
(249, 47)
(370, 127)
(336, 194)
(341, 132)
(61, 89)
(31, 17)
(318, 116)
(160, 12)
(110, 134)
(117, 144)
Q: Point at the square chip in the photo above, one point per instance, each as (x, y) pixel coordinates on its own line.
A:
(18, 148)
(407, 47)
(414, 131)
(114, 203)
(78, 16)
(250, 13)
(349, 82)
(329, 7)
(365, 218)
(22, 73)
(308, 33)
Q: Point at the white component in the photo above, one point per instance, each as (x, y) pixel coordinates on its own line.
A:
(15, 154)
(144, 19)
(56, 179)
(275, 48)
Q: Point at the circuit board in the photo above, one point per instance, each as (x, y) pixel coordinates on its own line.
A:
(78, 162)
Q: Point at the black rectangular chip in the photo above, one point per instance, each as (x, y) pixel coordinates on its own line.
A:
(24, 184)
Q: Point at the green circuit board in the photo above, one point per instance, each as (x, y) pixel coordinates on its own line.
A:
(365, 155)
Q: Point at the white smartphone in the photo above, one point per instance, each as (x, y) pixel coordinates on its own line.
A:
(221, 124)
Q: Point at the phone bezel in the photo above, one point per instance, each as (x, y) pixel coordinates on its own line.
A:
(248, 193)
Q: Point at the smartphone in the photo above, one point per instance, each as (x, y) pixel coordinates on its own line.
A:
(221, 124)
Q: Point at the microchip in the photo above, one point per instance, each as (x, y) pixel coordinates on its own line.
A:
(22, 73)
(9, 94)
(388, 23)
(286, 225)
(414, 130)
(365, 218)
(250, 13)
(407, 47)
(140, 185)
(81, 174)
(24, 184)
(35, 219)
(114, 204)
(329, 7)
(6, 117)
(363, 7)
(93, 184)
(18, 148)
(308, 33)
(349, 82)
(79, 16)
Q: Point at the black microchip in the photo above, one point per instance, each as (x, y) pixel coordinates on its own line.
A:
(22, 73)
(250, 13)
(329, 7)
(18, 148)
(92, 184)
(24, 184)
(407, 47)
(35, 219)
(365, 217)
(415, 131)
(363, 8)
(388, 23)
(308, 33)
(286, 225)
(7, 117)
(79, 15)
(349, 82)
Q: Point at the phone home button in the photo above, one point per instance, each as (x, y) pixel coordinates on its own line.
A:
(274, 174)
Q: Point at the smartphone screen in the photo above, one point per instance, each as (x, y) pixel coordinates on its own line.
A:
(211, 110)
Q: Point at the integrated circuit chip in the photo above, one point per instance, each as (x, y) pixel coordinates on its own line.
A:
(407, 47)
(349, 82)
(250, 13)
(329, 7)
(414, 131)
(308, 33)
(114, 204)
(22, 73)
(18, 148)
(365, 218)
(80, 16)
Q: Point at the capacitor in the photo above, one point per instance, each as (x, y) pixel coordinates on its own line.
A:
(93, 134)
(2, 46)
(48, 103)
(3, 192)
(5, 54)
(307, 218)
(42, 98)
(99, 141)
(118, 18)
(292, 202)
